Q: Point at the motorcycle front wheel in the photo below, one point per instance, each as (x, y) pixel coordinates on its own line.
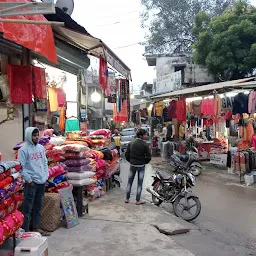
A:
(187, 210)
(196, 171)
(156, 188)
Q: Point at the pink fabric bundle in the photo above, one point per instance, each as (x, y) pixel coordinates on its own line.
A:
(56, 171)
(100, 164)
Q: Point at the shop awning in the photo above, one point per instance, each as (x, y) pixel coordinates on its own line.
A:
(204, 89)
(93, 46)
(38, 38)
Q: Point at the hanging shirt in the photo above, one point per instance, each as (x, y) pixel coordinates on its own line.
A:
(208, 107)
(172, 110)
(196, 108)
(252, 101)
(61, 97)
(159, 106)
(72, 125)
(53, 99)
(240, 104)
(181, 110)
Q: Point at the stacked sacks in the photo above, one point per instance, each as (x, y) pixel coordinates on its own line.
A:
(101, 138)
(78, 164)
(78, 138)
(96, 189)
(11, 183)
(57, 179)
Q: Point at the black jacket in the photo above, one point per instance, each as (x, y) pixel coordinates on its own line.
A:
(138, 152)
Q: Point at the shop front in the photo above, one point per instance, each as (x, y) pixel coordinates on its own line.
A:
(217, 119)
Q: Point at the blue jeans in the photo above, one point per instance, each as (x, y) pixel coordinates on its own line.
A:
(32, 205)
(141, 172)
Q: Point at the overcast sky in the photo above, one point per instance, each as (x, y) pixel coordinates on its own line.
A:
(117, 23)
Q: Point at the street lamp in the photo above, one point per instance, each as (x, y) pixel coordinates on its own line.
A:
(96, 97)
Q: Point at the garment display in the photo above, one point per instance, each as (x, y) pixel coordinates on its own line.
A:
(52, 93)
(165, 114)
(252, 101)
(159, 107)
(249, 131)
(172, 110)
(61, 97)
(181, 110)
(197, 108)
(72, 124)
(240, 104)
(217, 106)
(41, 105)
(39, 83)
(208, 107)
(20, 81)
(103, 76)
(254, 141)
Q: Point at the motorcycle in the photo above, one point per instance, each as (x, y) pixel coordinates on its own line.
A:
(188, 162)
(175, 189)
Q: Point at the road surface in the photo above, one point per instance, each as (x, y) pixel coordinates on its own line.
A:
(228, 219)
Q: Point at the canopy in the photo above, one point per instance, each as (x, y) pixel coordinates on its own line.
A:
(93, 46)
(202, 90)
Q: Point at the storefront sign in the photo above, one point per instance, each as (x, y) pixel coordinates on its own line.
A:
(219, 159)
(227, 102)
(168, 83)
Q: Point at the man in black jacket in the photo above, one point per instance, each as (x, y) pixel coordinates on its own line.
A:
(138, 155)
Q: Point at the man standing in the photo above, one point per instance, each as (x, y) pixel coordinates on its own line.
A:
(117, 140)
(138, 155)
(35, 173)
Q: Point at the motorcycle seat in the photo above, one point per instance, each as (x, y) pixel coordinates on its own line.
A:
(164, 176)
(183, 158)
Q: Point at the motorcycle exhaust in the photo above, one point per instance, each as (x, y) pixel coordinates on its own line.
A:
(154, 193)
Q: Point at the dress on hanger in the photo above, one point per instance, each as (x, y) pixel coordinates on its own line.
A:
(252, 102)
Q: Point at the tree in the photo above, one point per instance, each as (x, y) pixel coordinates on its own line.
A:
(226, 44)
(169, 22)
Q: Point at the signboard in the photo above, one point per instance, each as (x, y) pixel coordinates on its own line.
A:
(69, 207)
(219, 159)
(227, 103)
(168, 83)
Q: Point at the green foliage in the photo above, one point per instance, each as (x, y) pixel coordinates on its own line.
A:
(226, 44)
(169, 22)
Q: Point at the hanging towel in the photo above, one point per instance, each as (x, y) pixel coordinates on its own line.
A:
(72, 125)
(53, 99)
(20, 80)
(39, 83)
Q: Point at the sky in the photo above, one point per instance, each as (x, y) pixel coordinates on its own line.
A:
(117, 23)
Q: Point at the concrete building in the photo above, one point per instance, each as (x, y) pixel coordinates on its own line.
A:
(191, 74)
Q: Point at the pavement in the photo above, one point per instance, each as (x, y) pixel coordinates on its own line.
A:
(225, 227)
(115, 228)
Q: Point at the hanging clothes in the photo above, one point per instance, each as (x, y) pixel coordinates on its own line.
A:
(217, 105)
(20, 81)
(252, 101)
(181, 110)
(240, 104)
(159, 107)
(61, 97)
(72, 125)
(134, 116)
(207, 107)
(249, 131)
(53, 99)
(62, 119)
(103, 76)
(41, 105)
(165, 114)
(39, 83)
(197, 108)
(254, 141)
(172, 110)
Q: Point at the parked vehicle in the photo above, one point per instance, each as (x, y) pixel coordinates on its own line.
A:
(176, 190)
(128, 134)
(188, 162)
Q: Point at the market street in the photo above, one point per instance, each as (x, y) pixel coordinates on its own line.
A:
(226, 222)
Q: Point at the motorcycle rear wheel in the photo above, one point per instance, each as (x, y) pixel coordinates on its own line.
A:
(155, 200)
(191, 216)
(196, 171)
